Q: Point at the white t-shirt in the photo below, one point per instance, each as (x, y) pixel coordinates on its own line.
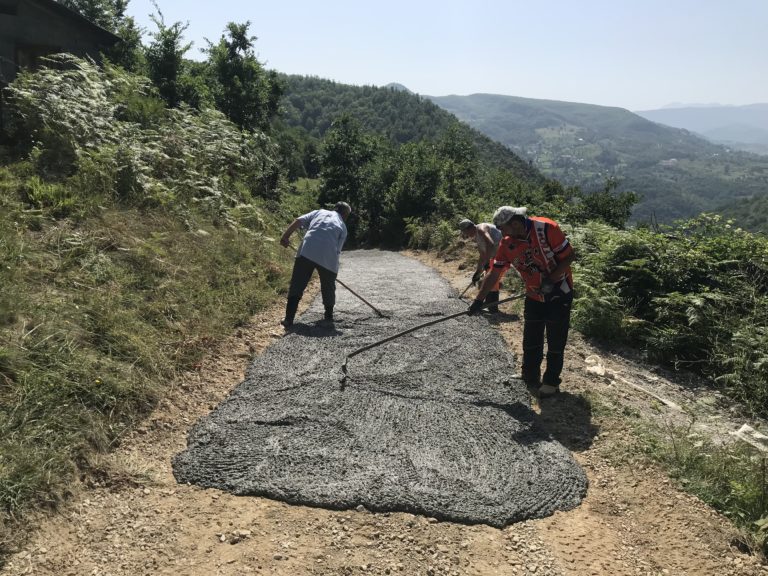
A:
(326, 234)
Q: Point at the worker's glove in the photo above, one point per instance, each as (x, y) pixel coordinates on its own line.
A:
(546, 286)
(475, 307)
(476, 277)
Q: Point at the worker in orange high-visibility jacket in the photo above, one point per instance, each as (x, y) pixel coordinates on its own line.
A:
(538, 249)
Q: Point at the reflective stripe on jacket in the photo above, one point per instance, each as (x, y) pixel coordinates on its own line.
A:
(537, 255)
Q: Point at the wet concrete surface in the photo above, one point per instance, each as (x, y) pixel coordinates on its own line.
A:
(432, 423)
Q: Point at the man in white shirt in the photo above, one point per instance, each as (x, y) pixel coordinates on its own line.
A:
(320, 250)
(487, 237)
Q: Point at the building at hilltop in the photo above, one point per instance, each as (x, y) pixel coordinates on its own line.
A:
(33, 29)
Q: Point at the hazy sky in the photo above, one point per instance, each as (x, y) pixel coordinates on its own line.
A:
(635, 54)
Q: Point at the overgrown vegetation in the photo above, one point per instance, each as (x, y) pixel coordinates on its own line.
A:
(729, 477)
(692, 296)
(131, 237)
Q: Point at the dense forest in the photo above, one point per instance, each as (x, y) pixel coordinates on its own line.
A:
(140, 200)
(311, 104)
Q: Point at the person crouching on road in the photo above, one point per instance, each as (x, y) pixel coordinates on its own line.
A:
(320, 250)
(487, 237)
(542, 255)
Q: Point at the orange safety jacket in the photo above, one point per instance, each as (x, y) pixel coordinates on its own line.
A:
(536, 256)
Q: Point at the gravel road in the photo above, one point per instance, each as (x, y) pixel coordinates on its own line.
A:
(432, 423)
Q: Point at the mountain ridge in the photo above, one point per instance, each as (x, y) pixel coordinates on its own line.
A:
(744, 127)
(677, 172)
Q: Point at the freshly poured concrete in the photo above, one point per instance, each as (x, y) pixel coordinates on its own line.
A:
(432, 423)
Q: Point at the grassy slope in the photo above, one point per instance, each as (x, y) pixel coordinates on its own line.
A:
(98, 313)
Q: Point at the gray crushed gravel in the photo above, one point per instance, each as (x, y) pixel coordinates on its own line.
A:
(432, 423)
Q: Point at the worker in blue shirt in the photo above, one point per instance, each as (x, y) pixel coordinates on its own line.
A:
(320, 250)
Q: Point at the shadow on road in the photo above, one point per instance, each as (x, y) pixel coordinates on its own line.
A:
(565, 418)
(568, 419)
(320, 329)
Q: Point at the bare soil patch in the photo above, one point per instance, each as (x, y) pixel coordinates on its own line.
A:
(133, 518)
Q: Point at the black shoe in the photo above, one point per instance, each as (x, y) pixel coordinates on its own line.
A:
(492, 297)
(285, 323)
(548, 390)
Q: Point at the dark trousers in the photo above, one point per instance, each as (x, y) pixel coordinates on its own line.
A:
(552, 318)
(302, 273)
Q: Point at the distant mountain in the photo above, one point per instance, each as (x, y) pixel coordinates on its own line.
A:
(705, 118)
(396, 86)
(677, 173)
(743, 127)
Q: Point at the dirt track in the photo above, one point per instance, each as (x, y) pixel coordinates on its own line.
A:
(135, 519)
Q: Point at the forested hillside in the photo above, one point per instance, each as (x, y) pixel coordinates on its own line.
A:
(310, 105)
(750, 213)
(676, 174)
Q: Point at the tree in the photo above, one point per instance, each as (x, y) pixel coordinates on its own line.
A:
(606, 205)
(165, 58)
(345, 152)
(108, 14)
(242, 88)
(459, 171)
(129, 52)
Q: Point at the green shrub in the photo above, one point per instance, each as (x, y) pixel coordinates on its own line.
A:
(57, 199)
(598, 311)
(63, 109)
(442, 235)
(418, 233)
(81, 121)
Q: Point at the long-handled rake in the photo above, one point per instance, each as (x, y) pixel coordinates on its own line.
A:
(479, 283)
(419, 327)
(379, 313)
(461, 296)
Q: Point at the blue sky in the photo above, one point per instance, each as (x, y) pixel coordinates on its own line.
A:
(635, 54)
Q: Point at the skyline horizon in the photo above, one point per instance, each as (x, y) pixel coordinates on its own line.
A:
(635, 56)
(671, 105)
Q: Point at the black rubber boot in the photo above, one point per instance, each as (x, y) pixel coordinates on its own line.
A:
(492, 297)
(290, 311)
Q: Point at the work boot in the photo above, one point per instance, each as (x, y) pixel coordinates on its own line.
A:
(492, 297)
(328, 314)
(290, 311)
